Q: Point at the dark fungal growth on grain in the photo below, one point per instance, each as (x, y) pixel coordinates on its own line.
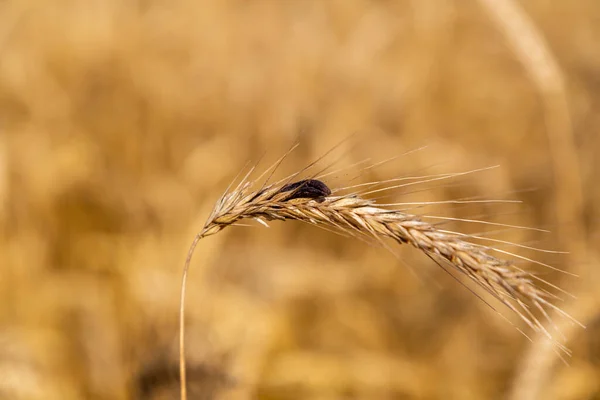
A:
(307, 189)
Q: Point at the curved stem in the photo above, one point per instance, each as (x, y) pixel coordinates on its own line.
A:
(182, 374)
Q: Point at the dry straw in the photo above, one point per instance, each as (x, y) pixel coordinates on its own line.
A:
(531, 49)
(311, 201)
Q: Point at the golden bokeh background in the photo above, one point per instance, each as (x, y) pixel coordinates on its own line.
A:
(122, 122)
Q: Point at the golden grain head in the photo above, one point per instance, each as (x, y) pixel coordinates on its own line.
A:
(311, 201)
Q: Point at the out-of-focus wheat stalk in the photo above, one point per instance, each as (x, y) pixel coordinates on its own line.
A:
(352, 214)
(531, 49)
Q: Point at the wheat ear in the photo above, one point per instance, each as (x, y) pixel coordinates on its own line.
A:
(311, 201)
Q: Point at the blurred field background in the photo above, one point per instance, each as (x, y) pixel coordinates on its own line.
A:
(121, 123)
